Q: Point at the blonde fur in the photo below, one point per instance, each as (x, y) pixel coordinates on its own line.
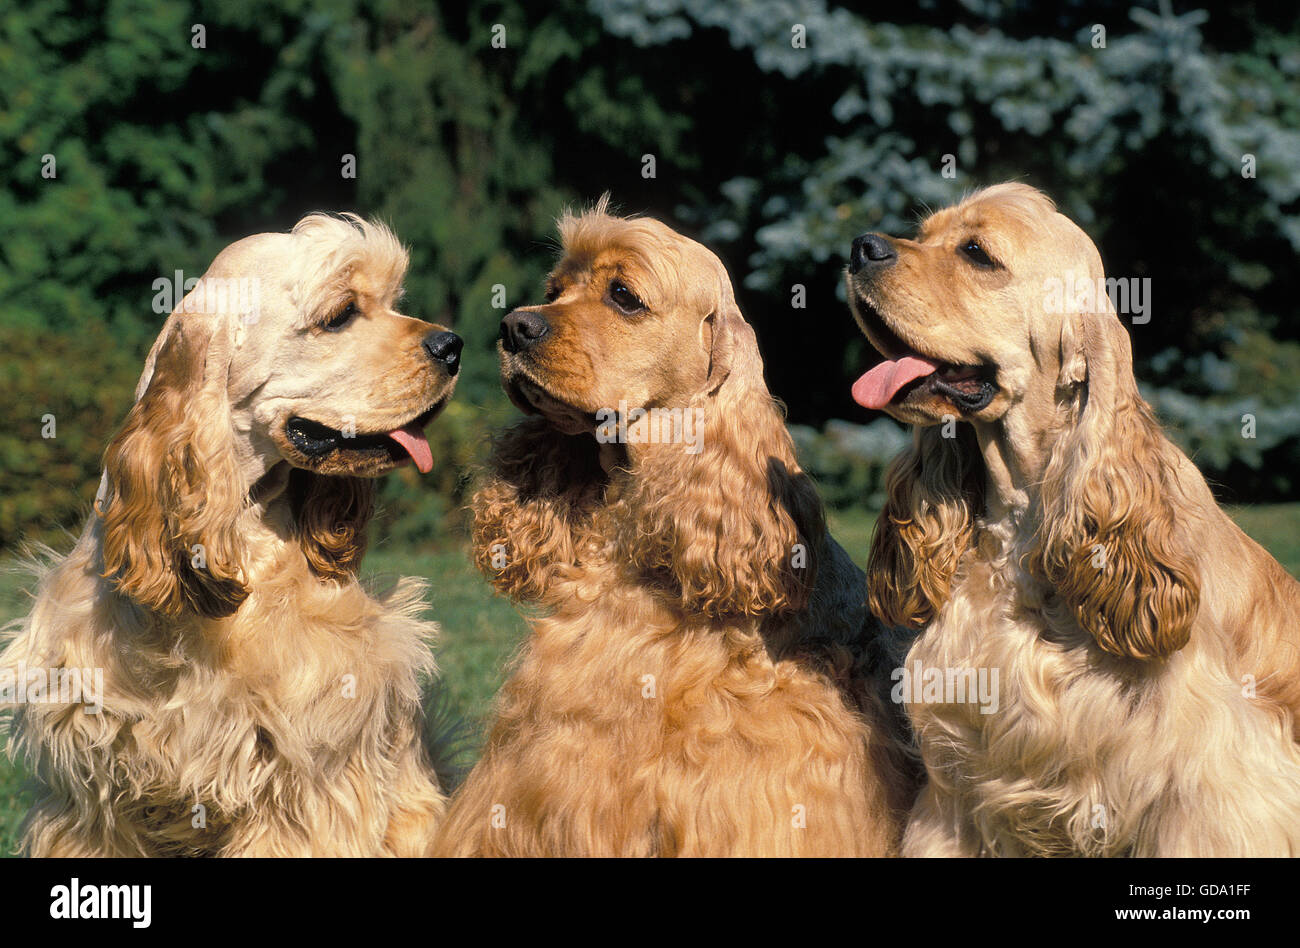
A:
(1149, 652)
(257, 700)
(692, 686)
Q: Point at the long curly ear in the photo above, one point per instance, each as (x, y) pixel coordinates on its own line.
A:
(736, 524)
(933, 489)
(540, 488)
(174, 489)
(1110, 537)
(330, 518)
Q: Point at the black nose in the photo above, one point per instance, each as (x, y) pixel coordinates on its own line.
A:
(871, 249)
(444, 347)
(521, 328)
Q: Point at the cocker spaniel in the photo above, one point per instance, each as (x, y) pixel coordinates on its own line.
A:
(699, 679)
(254, 699)
(1042, 529)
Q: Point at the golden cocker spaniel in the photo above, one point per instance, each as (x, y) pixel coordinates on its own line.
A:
(254, 698)
(698, 681)
(1041, 527)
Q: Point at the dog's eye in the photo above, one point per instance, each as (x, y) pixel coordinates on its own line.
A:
(552, 292)
(343, 317)
(977, 255)
(624, 298)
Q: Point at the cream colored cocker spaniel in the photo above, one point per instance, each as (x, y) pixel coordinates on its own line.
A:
(256, 699)
(1148, 651)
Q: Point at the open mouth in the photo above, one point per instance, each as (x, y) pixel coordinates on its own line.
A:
(969, 387)
(316, 440)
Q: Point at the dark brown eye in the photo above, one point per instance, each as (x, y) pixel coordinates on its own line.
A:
(552, 292)
(624, 298)
(342, 318)
(977, 254)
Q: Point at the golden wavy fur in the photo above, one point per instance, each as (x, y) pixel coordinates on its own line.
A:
(1149, 652)
(256, 700)
(699, 678)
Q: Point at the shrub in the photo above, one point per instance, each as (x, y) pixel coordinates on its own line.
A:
(65, 395)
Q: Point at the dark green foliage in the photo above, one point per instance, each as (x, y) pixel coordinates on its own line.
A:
(1142, 141)
(83, 382)
(777, 156)
(848, 461)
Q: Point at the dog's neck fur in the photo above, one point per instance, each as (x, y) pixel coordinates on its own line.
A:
(1007, 474)
(1017, 448)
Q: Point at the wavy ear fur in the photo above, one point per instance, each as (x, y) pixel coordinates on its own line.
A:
(541, 487)
(170, 537)
(737, 525)
(1110, 538)
(934, 489)
(330, 516)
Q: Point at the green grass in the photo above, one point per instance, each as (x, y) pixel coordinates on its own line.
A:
(13, 804)
(14, 602)
(480, 632)
(1275, 527)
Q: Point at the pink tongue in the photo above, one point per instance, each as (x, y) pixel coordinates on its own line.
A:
(878, 387)
(416, 445)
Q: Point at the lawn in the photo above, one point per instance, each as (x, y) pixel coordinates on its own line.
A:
(480, 631)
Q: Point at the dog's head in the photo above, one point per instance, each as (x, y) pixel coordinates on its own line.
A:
(998, 315)
(287, 354)
(640, 344)
(330, 374)
(635, 315)
(963, 313)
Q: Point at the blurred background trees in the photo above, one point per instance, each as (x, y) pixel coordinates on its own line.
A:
(774, 144)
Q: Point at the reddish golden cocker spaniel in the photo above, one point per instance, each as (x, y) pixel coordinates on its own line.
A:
(699, 679)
